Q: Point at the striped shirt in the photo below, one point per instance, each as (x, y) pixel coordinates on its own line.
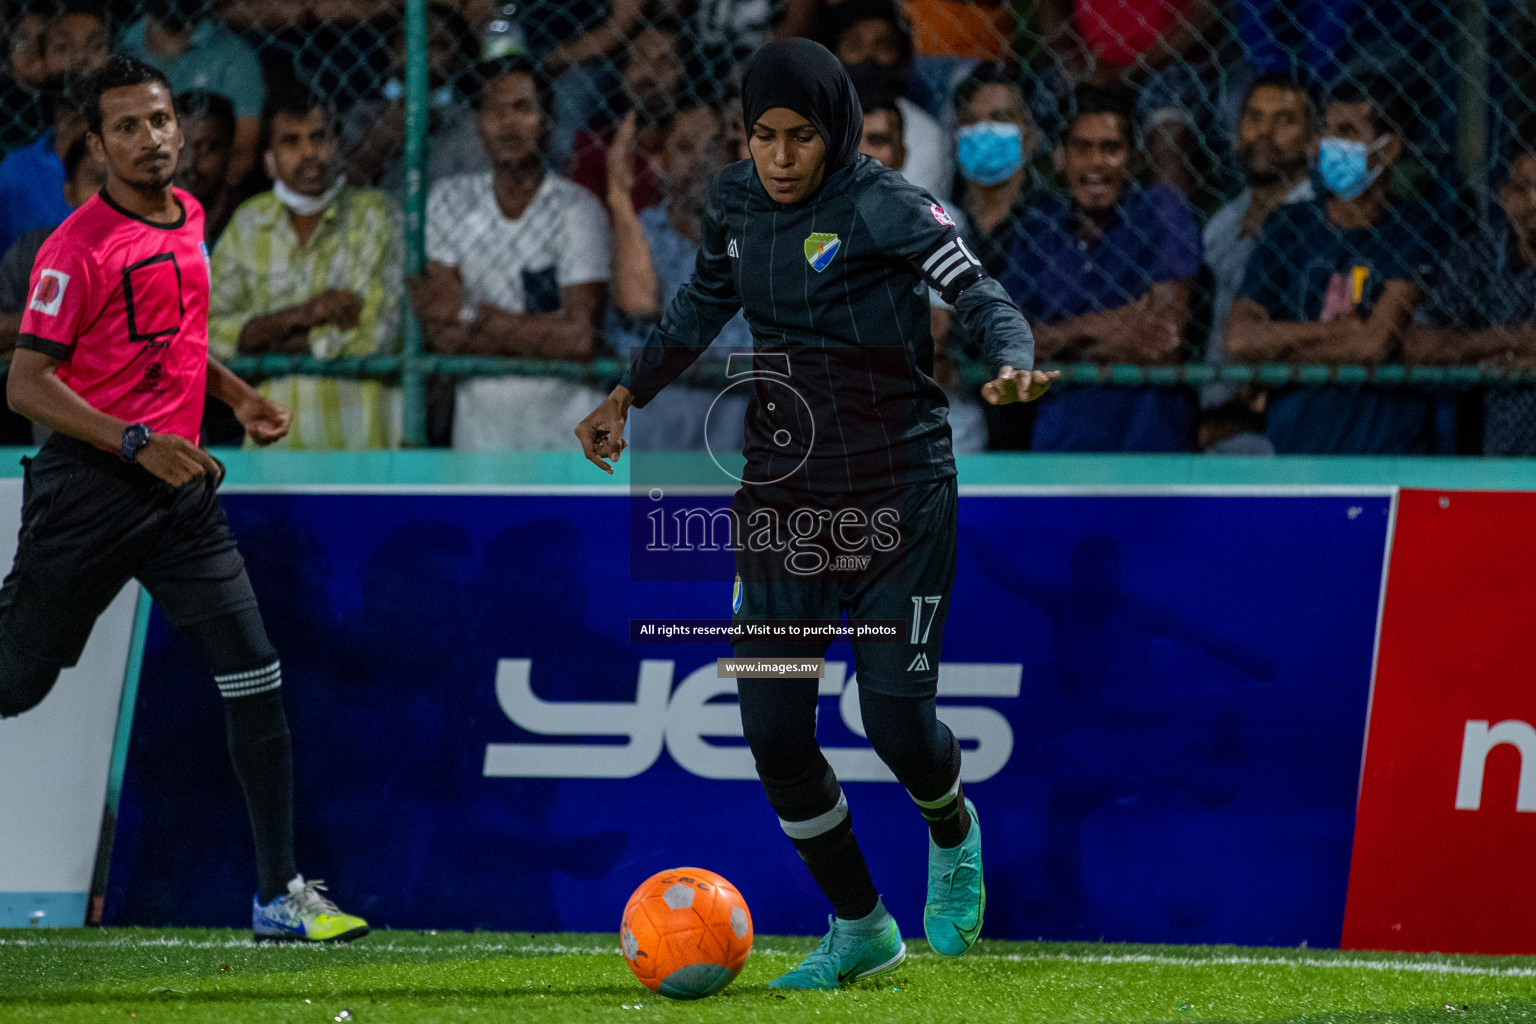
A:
(259, 268)
(835, 291)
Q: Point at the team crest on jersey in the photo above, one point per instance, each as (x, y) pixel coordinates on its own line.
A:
(820, 247)
(48, 296)
(941, 215)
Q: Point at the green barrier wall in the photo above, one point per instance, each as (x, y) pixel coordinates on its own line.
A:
(425, 468)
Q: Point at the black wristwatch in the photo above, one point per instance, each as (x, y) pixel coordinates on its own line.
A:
(135, 437)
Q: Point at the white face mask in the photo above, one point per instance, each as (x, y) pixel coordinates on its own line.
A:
(300, 204)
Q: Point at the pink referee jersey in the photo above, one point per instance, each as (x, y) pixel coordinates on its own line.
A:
(122, 303)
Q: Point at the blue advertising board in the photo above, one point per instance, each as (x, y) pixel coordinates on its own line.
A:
(1162, 697)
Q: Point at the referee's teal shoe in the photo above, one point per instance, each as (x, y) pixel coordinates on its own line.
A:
(957, 897)
(851, 951)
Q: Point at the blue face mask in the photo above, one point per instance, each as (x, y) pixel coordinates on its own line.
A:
(989, 152)
(1345, 166)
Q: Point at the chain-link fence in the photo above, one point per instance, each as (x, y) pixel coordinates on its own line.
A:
(1236, 226)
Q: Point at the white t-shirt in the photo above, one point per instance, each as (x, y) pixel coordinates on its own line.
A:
(519, 266)
(928, 163)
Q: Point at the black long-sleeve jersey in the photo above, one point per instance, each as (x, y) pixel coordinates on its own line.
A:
(835, 291)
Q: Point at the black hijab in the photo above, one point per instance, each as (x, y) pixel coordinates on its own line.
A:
(803, 76)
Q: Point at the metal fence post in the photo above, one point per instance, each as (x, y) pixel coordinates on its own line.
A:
(412, 377)
(1472, 100)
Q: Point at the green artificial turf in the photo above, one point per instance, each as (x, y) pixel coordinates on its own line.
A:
(396, 977)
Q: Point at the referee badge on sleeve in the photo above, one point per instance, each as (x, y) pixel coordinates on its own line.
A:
(48, 296)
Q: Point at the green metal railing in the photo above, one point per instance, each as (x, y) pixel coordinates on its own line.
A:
(412, 376)
(417, 367)
(411, 368)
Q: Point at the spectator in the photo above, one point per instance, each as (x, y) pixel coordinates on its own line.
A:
(77, 39)
(1482, 307)
(1158, 48)
(736, 146)
(727, 32)
(1103, 272)
(654, 250)
(25, 39)
(207, 133)
(882, 141)
(312, 268)
(517, 266)
(195, 53)
(1276, 134)
(653, 82)
(1335, 280)
(84, 176)
(374, 130)
(995, 139)
(883, 127)
(576, 42)
(24, 117)
(875, 33)
(951, 37)
(75, 43)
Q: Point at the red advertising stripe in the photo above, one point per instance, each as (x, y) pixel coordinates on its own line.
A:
(1445, 840)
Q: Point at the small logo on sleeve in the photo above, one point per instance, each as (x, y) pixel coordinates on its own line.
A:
(733, 252)
(48, 296)
(941, 215)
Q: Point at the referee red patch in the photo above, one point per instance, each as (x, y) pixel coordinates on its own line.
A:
(49, 293)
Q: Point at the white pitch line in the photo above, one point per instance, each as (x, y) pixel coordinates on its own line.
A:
(385, 947)
(1089, 959)
(1336, 963)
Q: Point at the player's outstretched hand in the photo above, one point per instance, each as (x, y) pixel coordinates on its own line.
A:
(602, 433)
(1018, 385)
(176, 460)
(264, 420)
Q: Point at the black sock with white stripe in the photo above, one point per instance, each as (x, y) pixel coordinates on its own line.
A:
(262, 752)
(948, 820)
(941, 799)
(825, 840)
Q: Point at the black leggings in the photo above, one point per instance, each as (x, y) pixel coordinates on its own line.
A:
(230, 643)
(778, 718)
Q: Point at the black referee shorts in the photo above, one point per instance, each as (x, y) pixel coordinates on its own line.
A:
(908, 576)
(89, 523)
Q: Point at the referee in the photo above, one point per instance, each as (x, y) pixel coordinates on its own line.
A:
(113, 357)
(831, 257)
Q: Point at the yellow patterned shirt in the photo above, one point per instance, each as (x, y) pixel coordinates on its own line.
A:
(259, 267)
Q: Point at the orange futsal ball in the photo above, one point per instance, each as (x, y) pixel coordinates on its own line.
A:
(686, 933)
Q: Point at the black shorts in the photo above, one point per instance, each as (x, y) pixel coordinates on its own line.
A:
(89, 523)
(908, 576)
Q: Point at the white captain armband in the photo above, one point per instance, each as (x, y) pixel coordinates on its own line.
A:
(950, 268)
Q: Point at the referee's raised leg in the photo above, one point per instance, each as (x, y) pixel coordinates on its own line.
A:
(113, 359)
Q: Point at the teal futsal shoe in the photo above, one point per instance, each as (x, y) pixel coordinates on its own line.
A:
(851, 951)
(957, 898)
